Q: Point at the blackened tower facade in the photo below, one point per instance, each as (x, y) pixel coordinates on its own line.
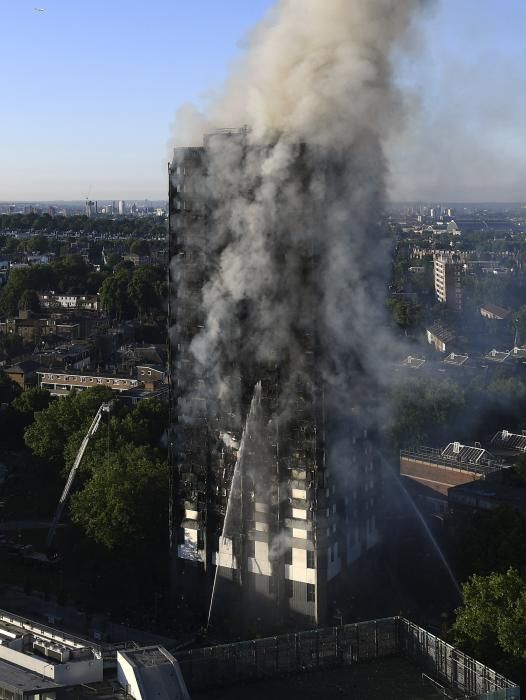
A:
(261, 523)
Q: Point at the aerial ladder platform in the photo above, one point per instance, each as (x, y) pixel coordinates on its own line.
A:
(103, 408)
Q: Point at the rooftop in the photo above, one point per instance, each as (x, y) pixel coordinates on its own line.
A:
(147, 656)
(394, 678)
(21, 680)
(13, 626)
(497, 356)
(456, 359)
(375, 660)
(441, 332)
(499, 311)
(467, 453)
(509, 441)
(456, 456)
(413, 362)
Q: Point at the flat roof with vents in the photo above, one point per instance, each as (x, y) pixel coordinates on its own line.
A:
(413, 362)
(21, 680)
(509, 441)
(497, 356)
(455, 359)
(467, 453)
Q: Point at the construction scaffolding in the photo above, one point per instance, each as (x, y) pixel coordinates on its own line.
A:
(345, 646)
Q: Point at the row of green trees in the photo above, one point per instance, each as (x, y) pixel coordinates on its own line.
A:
(143, 227)
(60, 247)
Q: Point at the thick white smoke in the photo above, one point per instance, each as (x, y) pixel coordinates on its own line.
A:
(297, 257)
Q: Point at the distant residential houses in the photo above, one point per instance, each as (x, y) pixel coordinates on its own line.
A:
(31, 326)
(494, 312)
(86, 302)
(440, 337)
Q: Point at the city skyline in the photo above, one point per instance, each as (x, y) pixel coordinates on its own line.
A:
(96, 110)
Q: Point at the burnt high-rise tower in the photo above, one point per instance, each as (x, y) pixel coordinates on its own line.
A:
(272, 476)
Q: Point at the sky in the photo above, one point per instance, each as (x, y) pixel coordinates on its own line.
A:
(89, 91)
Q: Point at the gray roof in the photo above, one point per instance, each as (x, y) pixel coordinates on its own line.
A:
(456, 359)
(509, 441)
(20, 680)
(467, 453)
(413, 362)
(441, 332)
(497, 355)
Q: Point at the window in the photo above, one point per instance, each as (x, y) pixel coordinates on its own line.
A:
(310, 559)
(311, 592)
(288, 556)
(251, 548)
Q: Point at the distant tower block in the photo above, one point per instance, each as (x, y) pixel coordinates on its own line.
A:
(449, 274)
(122, 207)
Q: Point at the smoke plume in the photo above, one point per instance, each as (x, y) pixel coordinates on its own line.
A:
(297, 257)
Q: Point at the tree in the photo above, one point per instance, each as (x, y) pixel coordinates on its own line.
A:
(29, 301)
(114, 295)
(32, 400)
(114, 259)
(519, 323)
(492, 620)
(424, 408)
(140, 247)
(141, 289)
(405, 313)
(124, 503)
(146, 423)
(8, 389)
(38, 244)
(57, 431)
(488, 541)
(520, 469)
(37, 277)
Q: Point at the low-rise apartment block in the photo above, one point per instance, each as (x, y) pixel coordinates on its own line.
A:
(61, 382)
(38, 662)
(87, 302)
(429, 473)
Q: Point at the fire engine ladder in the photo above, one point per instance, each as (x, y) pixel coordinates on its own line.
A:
(103, 408)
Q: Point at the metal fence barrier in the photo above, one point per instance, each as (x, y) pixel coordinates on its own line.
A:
(346, 645)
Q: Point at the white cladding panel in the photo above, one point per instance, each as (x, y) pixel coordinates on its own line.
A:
(299, 533)
(299, 513)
